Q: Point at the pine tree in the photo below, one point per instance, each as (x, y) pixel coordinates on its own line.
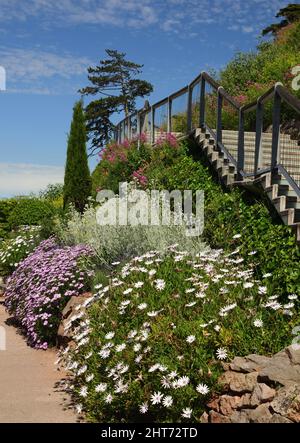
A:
(116, 83)
(291, 14)
(77, 182)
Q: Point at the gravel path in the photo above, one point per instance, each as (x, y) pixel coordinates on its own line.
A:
(27, 382)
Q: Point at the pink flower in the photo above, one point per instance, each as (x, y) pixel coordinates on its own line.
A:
(167, 138)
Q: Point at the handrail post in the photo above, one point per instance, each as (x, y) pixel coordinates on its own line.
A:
(169, 113)
(189, 109)
(276, 130)
(202, 103)
(152, 128)
(129, 128)
(138, 129)
(219, 116)
(258, 163)
(241, 144)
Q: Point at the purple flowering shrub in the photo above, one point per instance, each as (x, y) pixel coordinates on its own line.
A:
(40, 287)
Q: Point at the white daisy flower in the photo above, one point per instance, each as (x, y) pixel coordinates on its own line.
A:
(138, 284)
(138, 358)
(89, 378)
(142, 306)
(167, 401)
(127, 291)
(160, 284)
(248, 285)
(183, 381)
(83, 391)
(293, 297)
(222, 353)
(202, 389)
(258, 323)
(101, 387)
(124, 369)
(108, 399)
(152, 313)
(144, 408)
(172, 375)
(236, 236)
(104, 353)
(156, 398)
(152, 272)
(120, 348)
(132, 334)
(137, 347)
(121, 387)
(165, 382)
(190, 339)
(187, 413)
(82, 370)
(189, 291)
(110, 335)
(189, 305)
(154, 367)
(78, 408)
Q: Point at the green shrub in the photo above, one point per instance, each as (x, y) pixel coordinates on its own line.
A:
(30, 211)
(118, 242)
(6, 207)
(52, 192)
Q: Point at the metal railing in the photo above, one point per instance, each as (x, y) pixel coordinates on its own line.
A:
(238, 129)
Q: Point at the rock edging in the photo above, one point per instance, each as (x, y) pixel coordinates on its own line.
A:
(258, 389)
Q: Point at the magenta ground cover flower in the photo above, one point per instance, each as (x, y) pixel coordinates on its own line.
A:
(40, 287)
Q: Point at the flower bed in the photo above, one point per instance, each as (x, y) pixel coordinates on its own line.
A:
(14, 250)
(40, 287)
(151, 347)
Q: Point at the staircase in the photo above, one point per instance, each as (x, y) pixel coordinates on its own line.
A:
(280, 193)
(289, 151)
(232, 153)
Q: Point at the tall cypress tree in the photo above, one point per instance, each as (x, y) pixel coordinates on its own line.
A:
(77, 183)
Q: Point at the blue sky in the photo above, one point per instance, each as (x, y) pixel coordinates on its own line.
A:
(47, 45)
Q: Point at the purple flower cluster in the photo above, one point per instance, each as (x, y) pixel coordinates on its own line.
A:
(40, 287)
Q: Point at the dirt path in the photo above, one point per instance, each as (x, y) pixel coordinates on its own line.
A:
(27, 382)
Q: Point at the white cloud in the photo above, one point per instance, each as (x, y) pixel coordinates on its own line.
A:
(247, 29)
(27, 70)
(136, 13)
(143, 13)
(22, 178)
